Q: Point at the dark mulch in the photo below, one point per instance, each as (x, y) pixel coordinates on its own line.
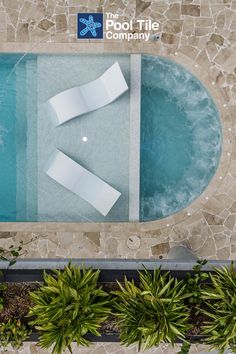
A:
(17, 301)
(197, 319)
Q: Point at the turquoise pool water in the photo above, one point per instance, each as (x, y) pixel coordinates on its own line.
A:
(180, 138)
(28, 138)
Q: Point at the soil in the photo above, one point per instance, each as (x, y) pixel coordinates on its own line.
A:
(196, 319)
(17, 301)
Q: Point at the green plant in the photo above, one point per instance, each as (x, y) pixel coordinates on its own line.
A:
(13, 332)
(152, 312)
(194, 281)
(68, 306)
(9, 255)
(220, 298)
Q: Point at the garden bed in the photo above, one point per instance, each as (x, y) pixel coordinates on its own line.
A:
(28, 276)
(17, 303)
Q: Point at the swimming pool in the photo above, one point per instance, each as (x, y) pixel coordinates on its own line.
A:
(176, 164)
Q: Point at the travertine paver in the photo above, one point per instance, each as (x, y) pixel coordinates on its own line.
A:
(200, 35)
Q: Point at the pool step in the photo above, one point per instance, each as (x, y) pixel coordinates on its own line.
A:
(7, 142)
(20, 140)
(31, 149)
(134, 149)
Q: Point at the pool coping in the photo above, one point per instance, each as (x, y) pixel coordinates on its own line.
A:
(179, 57)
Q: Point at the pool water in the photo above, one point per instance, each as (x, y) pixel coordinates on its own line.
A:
(179, 150)
(28, 138)
(180, 138)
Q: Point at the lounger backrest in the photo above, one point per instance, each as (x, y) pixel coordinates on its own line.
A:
(79, 100)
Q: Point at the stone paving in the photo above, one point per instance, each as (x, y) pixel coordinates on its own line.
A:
(200, 35)
(110, 348)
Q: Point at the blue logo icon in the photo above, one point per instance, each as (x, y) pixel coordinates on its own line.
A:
(90, 25)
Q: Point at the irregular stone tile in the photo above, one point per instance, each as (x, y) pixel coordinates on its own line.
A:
(159, 7)
(142, 254)
(174, 26)
(220, 21)
(188, 26)
(173, 12)
(43, 248)
(13, 16)
(196, 241)
(226, 58)
(90, 246)
(233, 248)
(224, 214)
(233, 24)
(3, 22)
(7, 234)
(230, 221)
(213, 219)
(72, 23)
(133, 242)
(196, 228)
(189, 51)
(203, 60)
(179, 233)
(223, 253)
(11, 36)
(27, 10)
(204, 22)
(93, 237)
(45, 24)
(205, 10)
(213, 206)
(61, 23)
(232, 192)
(111, 247)
(22, 32)
(161, 248)
(220, 240)
(206, 231)
(228, 17)
(167, 38)
(12, 4)
(211, 49)
(190, 10)
(201, 31)
(60, 10)
(215, 229)
(208, 249)
(141, 6)
(193, 41)
(218, 39)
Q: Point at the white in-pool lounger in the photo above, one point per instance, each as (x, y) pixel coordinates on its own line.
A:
(80, 181)
(93, 95)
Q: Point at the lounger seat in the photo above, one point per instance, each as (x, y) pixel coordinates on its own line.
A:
(80, 181)
(73, 102)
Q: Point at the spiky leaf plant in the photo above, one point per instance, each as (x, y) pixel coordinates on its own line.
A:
(67, 307)
(221, 310)
(13, 332)
(152, 312)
